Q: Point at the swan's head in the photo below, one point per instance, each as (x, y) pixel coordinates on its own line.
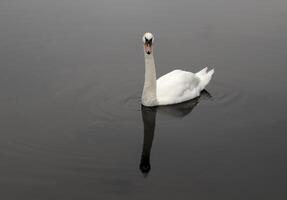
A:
(148, 42)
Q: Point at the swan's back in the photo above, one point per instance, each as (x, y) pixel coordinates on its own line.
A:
(179, 86)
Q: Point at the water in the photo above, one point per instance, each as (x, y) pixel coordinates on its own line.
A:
(72, 127)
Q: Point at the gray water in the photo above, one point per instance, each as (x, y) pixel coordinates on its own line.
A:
(72, 126)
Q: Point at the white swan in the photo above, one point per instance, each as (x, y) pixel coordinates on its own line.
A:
(175, 87)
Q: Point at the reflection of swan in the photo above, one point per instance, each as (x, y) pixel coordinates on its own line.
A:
(148, 116)
(175, 87)
(149, 121)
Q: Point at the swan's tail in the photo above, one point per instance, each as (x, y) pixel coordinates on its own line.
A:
(204, 77)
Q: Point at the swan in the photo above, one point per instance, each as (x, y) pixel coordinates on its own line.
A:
(172, 88)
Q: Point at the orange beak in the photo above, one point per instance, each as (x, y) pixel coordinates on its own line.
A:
(148, 48)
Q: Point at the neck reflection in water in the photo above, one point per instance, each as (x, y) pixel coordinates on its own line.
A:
(149, 122)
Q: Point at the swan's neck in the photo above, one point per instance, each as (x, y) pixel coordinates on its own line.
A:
(149, 90)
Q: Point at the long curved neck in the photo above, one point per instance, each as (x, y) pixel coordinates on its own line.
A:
(149, 90)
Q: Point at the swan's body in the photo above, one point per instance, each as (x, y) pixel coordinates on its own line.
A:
(179, 86)
(172, 88)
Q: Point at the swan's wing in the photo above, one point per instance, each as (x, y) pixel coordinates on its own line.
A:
(177, 86)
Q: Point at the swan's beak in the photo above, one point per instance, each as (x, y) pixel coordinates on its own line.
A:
(148, 48)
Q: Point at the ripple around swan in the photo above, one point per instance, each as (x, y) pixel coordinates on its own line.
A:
(124, 104)
(123, 107)
(225, 95)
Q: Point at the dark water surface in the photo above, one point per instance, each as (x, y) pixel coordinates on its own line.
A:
(72, 127)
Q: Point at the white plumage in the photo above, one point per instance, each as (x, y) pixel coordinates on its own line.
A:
(179, 86)
(172, 88)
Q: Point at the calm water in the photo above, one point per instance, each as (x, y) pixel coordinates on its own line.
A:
(72, 127)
